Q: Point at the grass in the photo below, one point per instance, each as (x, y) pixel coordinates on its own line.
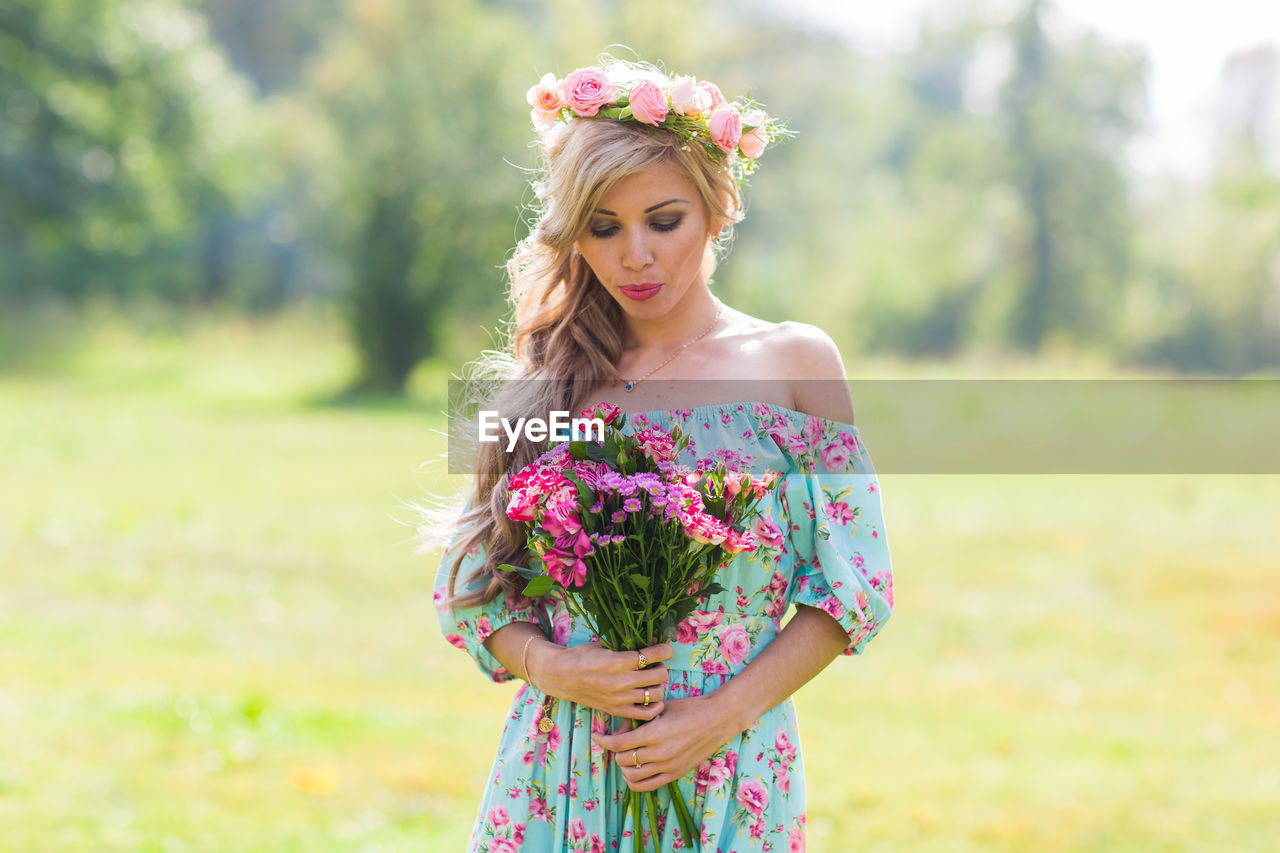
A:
(215, 635)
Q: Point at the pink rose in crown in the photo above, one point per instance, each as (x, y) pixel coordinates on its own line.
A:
(755, 139)
(753, 796)
(688, 98)
(714, 96)
(725, 127)
(586, 90)
(648, 102)
(735, 643)
(546, 99)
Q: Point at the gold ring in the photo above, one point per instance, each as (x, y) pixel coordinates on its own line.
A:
(635, 759)
(646, 698)
(642, 661)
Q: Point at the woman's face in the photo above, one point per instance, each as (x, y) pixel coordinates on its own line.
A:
(646, 241)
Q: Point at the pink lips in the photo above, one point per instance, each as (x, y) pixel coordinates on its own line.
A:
(641, 292)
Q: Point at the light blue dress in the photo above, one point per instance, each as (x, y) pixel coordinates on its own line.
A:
(825, 547)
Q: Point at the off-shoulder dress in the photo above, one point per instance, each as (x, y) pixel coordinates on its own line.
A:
(824, 545)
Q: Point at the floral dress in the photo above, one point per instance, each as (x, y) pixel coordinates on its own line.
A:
(822, 543)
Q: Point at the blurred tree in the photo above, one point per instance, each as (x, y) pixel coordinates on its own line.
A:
(1070, 107)
(428, 100)
(125, 142)
(1216, 248)
(271, 40)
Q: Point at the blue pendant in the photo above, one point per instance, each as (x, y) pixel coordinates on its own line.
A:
(630, 385)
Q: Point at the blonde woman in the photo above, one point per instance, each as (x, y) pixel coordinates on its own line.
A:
(611, 301)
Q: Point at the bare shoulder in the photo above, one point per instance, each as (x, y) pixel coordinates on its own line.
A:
(819, 384)
(804, 358)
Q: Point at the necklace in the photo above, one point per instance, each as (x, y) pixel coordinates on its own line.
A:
(631, 384)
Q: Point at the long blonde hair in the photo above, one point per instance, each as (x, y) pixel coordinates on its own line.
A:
(566, 330)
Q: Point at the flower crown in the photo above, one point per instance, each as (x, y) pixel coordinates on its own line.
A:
(734, 134)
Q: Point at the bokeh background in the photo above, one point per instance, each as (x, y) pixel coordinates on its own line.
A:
(245, 243)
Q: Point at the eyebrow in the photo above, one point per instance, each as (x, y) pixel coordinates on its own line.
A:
(647, 209)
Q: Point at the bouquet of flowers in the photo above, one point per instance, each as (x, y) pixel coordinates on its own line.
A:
(630, 540)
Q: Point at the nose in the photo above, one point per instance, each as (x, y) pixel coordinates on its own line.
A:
(636, 254)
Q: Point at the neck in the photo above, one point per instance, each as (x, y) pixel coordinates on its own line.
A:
(690, 316)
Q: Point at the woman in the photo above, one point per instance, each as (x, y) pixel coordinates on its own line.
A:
(611, 301)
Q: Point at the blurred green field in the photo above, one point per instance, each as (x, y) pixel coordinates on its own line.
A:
(215, 635)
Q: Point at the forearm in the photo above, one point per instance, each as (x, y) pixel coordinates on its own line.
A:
(808, 643)
(507, 644)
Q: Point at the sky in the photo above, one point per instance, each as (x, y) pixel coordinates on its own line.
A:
(1187, 44)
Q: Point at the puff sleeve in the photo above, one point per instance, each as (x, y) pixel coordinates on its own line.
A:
(837, 532)
(468, 627)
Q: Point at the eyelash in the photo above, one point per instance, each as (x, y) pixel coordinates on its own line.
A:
(602, 233)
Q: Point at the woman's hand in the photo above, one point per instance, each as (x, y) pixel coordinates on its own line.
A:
(595, 677)
(688, 732)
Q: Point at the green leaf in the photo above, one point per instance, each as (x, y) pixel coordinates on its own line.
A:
(639, 580)
(539, 586)
(526, 572)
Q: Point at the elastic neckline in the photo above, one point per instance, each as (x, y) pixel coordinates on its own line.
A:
(710, 407)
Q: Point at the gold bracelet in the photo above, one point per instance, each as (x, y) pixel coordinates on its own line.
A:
(545, 724)
(524, 662)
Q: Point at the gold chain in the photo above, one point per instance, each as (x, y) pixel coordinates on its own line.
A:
(716, 319)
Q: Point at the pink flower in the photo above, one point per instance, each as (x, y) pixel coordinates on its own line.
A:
(648, 102)
(833, 607)
(835, 456)
(503, 845)
(688, 98)
(753, 796)
(796, 837)
(538, 809)
(657, 445)
(784, 746)
(597, 844)
(499, 816)
(606, 412)
(705, 529)
(715, 667)
(561, 626)
(767, 532)
(755, 139)
(739, 542)
(711, 774)
(456, 640)
(696, 625)
(565, 569)
(521, 505)
(839, 512)
(735, 643)
(714, 97)
(586, 90)
(725, 127)
(484, 628)
(546, 100)
(517, 833)
(783, 780)
(577, 829)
